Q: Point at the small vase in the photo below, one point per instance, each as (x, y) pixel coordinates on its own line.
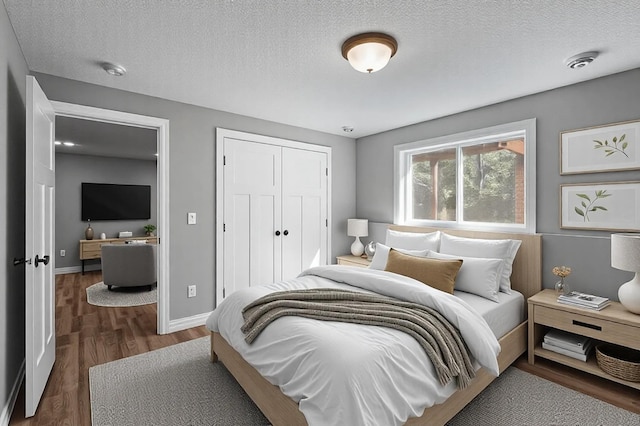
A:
(370, 250)
(561, 287)
(88, 233)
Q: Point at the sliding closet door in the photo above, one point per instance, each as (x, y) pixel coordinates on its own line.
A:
(252, 207)
(304, 210)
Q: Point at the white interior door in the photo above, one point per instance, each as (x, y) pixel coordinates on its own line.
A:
(252, 197)
(304, 210)
(40, 351)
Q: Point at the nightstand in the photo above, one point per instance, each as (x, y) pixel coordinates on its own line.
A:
(613, 324)
(351, 260)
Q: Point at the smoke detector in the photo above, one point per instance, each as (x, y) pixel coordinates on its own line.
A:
(581, 60)
(114, 69)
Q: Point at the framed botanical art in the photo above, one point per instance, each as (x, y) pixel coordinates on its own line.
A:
(611, 206)
(607, 148)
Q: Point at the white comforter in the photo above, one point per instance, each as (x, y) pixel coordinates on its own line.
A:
(349, 374)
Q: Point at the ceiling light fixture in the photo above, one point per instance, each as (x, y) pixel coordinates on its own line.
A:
(581, 60)
(369, 52)
(58, 143)
(68, 144)
(114, 69)
(347, 129)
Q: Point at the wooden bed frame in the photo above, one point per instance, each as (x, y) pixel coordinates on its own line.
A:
(282, 410)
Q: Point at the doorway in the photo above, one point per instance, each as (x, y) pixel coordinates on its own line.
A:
(161, 127)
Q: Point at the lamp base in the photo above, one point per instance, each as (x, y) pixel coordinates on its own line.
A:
(357, 248)
(629, 295)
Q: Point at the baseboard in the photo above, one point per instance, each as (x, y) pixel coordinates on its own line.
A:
(7, 410)
(76, 269)
(188, 322)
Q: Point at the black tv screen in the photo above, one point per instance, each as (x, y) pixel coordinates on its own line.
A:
(106, 201)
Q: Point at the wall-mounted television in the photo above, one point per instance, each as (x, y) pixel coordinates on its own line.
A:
(106, 201)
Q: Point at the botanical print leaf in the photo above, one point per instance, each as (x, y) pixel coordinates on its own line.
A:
(610, 149)
(591, 207)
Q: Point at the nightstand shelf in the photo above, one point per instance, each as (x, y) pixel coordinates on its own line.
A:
(351, 260)
(613, 324)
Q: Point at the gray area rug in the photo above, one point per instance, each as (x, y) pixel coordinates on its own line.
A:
(99, 295)
(178, 386)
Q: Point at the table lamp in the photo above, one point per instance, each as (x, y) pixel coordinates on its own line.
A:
(357, 228)
(625, 255)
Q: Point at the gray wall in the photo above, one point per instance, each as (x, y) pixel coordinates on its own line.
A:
(13, 70)
(601, 101)
(71, 171)
(192, 178)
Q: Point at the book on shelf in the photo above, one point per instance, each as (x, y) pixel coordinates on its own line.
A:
(566, 352)
(584, 300)
(570, 341)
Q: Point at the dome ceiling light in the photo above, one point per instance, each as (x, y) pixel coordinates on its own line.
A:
(369, 52)
(581, 60)
(114, 69)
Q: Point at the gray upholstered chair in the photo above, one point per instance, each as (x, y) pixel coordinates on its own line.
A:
(129, 265)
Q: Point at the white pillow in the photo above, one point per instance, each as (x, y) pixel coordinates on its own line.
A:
(381, 255)
(476, 247)
(479, 276)
(413, 240)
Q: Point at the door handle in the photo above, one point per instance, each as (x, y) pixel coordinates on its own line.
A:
(286, 232)
(44, 260)
(20, 261)
(277, 233)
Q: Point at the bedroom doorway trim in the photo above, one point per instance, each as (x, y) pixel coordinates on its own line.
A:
(161, 126)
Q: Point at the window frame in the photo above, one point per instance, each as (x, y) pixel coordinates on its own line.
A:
(402, 169)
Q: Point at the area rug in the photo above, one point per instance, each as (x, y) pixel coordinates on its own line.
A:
(99, 295)
(178, 385)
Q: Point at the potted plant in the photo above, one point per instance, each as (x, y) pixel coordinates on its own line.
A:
(148, 229)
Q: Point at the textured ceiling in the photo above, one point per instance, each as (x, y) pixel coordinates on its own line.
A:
(281, 60)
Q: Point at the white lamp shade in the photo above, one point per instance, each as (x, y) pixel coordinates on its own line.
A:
(357, 227)
(625, 252)
(369, 57)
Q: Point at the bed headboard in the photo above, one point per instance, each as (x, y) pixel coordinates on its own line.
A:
(527, 266)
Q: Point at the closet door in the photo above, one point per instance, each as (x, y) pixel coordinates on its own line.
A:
(304, 210)
(252, 208)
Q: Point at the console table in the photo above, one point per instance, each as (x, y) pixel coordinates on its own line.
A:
(91, 249)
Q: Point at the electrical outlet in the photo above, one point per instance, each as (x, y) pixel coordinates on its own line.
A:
(63, 253)
(192, 291)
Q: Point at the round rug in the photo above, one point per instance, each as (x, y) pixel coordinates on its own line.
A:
(99, 295)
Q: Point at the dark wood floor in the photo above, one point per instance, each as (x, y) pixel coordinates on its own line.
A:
(88, 335)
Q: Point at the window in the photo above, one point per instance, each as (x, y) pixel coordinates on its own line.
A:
(481, 179)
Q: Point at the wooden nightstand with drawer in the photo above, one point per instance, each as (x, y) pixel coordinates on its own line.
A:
(613, 324)
(351, 260)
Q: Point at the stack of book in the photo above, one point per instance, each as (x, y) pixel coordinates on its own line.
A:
(584, 300)
(569, 344)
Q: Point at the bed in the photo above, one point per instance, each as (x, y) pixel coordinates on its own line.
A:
(525, 280)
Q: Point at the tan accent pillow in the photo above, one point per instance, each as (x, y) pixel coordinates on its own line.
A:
(436, 273)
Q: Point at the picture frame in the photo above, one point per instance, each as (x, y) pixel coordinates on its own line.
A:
(606, 148)
(612, 206)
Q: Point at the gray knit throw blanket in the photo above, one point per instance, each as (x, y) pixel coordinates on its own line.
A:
(440, 340)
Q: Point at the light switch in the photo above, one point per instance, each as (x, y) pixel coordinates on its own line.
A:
(191, 218)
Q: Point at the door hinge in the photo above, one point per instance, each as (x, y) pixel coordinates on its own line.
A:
(326, 223)
(224, 160)
(224, 292)
(326, 171)
(224, 227)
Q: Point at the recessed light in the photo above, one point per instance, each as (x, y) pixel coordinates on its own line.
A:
(581, 60)
(114, 69)
(58, 143)
(68, 144)
(347, 129)
(156, 154)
